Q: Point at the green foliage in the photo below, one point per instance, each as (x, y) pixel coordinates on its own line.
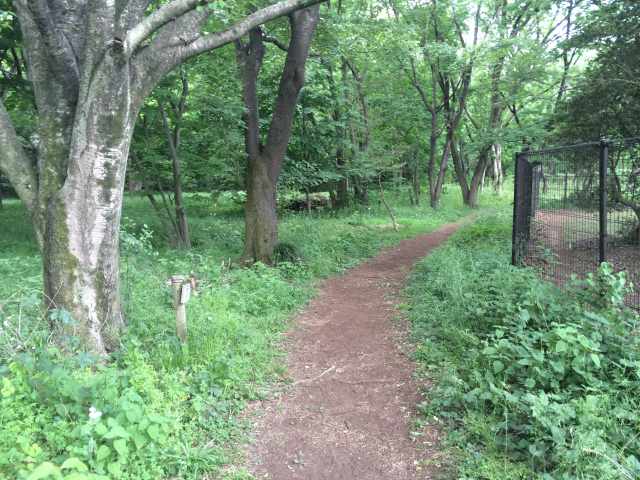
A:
(157, 408)
(73, 413)
(536, 382)
(286, 252)
(605, 101)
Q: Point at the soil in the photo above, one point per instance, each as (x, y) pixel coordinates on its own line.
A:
(565, 243)
(347, 413)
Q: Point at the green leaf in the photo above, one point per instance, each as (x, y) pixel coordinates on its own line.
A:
(101, 429)
(102, 453)
(154, 432)
(114, 469)
(116, 432)
(498, 366)
(45, 470)
(121, 447)
(561, 347)
(139, 440)
(74, 463)
(154, 417)
(133, 412)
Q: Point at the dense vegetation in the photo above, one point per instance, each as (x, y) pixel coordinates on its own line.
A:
(158, 408)
(531, 381)
(337, 98)
(257, 146)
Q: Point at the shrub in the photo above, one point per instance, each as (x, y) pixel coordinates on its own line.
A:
(528, 375)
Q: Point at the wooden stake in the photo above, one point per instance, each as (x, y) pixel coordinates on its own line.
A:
(181, 293)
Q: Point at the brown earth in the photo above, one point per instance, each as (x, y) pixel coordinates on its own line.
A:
(347, 415)
(565, 243)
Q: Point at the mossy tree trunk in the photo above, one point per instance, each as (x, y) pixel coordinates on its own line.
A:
(91, 65)
(265, 160)
(261, 218)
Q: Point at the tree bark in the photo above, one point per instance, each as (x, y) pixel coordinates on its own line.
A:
(265, 161)
(261, 218)
(360, 184)
(174, 140)
(498, 176)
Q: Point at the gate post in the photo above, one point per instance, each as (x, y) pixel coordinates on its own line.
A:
(521, 207)
(604, 167)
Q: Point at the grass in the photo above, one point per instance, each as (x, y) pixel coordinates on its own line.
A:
(167, 410)
(529, 381)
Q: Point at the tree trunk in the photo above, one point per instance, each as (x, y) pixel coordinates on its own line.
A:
(461, 174)
(342, 193)
(360, 184)
(436, 191)
(386, 205)
(81, 231)
(342, 187)
(361, 191)
(475, 185)
(265, 161)
(261, 217)
(173, 139)
(416, 176)
(498, 177)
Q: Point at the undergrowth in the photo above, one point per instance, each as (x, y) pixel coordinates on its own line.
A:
(530, 381)
(158, 409)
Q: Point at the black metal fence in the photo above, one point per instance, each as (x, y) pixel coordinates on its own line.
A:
(578, 206)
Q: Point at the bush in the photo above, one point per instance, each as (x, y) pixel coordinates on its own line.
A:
(82, 416)
(532, 378)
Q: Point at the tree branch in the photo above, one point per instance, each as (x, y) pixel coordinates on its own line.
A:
(303, 25)
(212, 41)
(180, 40)
(269, 39)
(177, 8)
(249, 58)
(165, 14)
(62, 58)
(15, 163)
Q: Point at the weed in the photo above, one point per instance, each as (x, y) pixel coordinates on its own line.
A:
(532, 381)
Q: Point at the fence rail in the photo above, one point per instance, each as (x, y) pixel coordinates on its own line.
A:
(577, 206)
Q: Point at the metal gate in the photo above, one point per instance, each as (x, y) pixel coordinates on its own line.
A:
(577, 206)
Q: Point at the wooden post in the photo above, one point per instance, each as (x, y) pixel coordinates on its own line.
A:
(181, 294)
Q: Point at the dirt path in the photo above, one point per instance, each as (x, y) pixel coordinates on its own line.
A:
(347, 414)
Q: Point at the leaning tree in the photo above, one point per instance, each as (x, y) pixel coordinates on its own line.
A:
(91, 65)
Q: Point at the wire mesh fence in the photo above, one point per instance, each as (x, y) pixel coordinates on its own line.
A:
(578, 206)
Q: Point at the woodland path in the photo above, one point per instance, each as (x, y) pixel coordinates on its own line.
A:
(347, 414)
